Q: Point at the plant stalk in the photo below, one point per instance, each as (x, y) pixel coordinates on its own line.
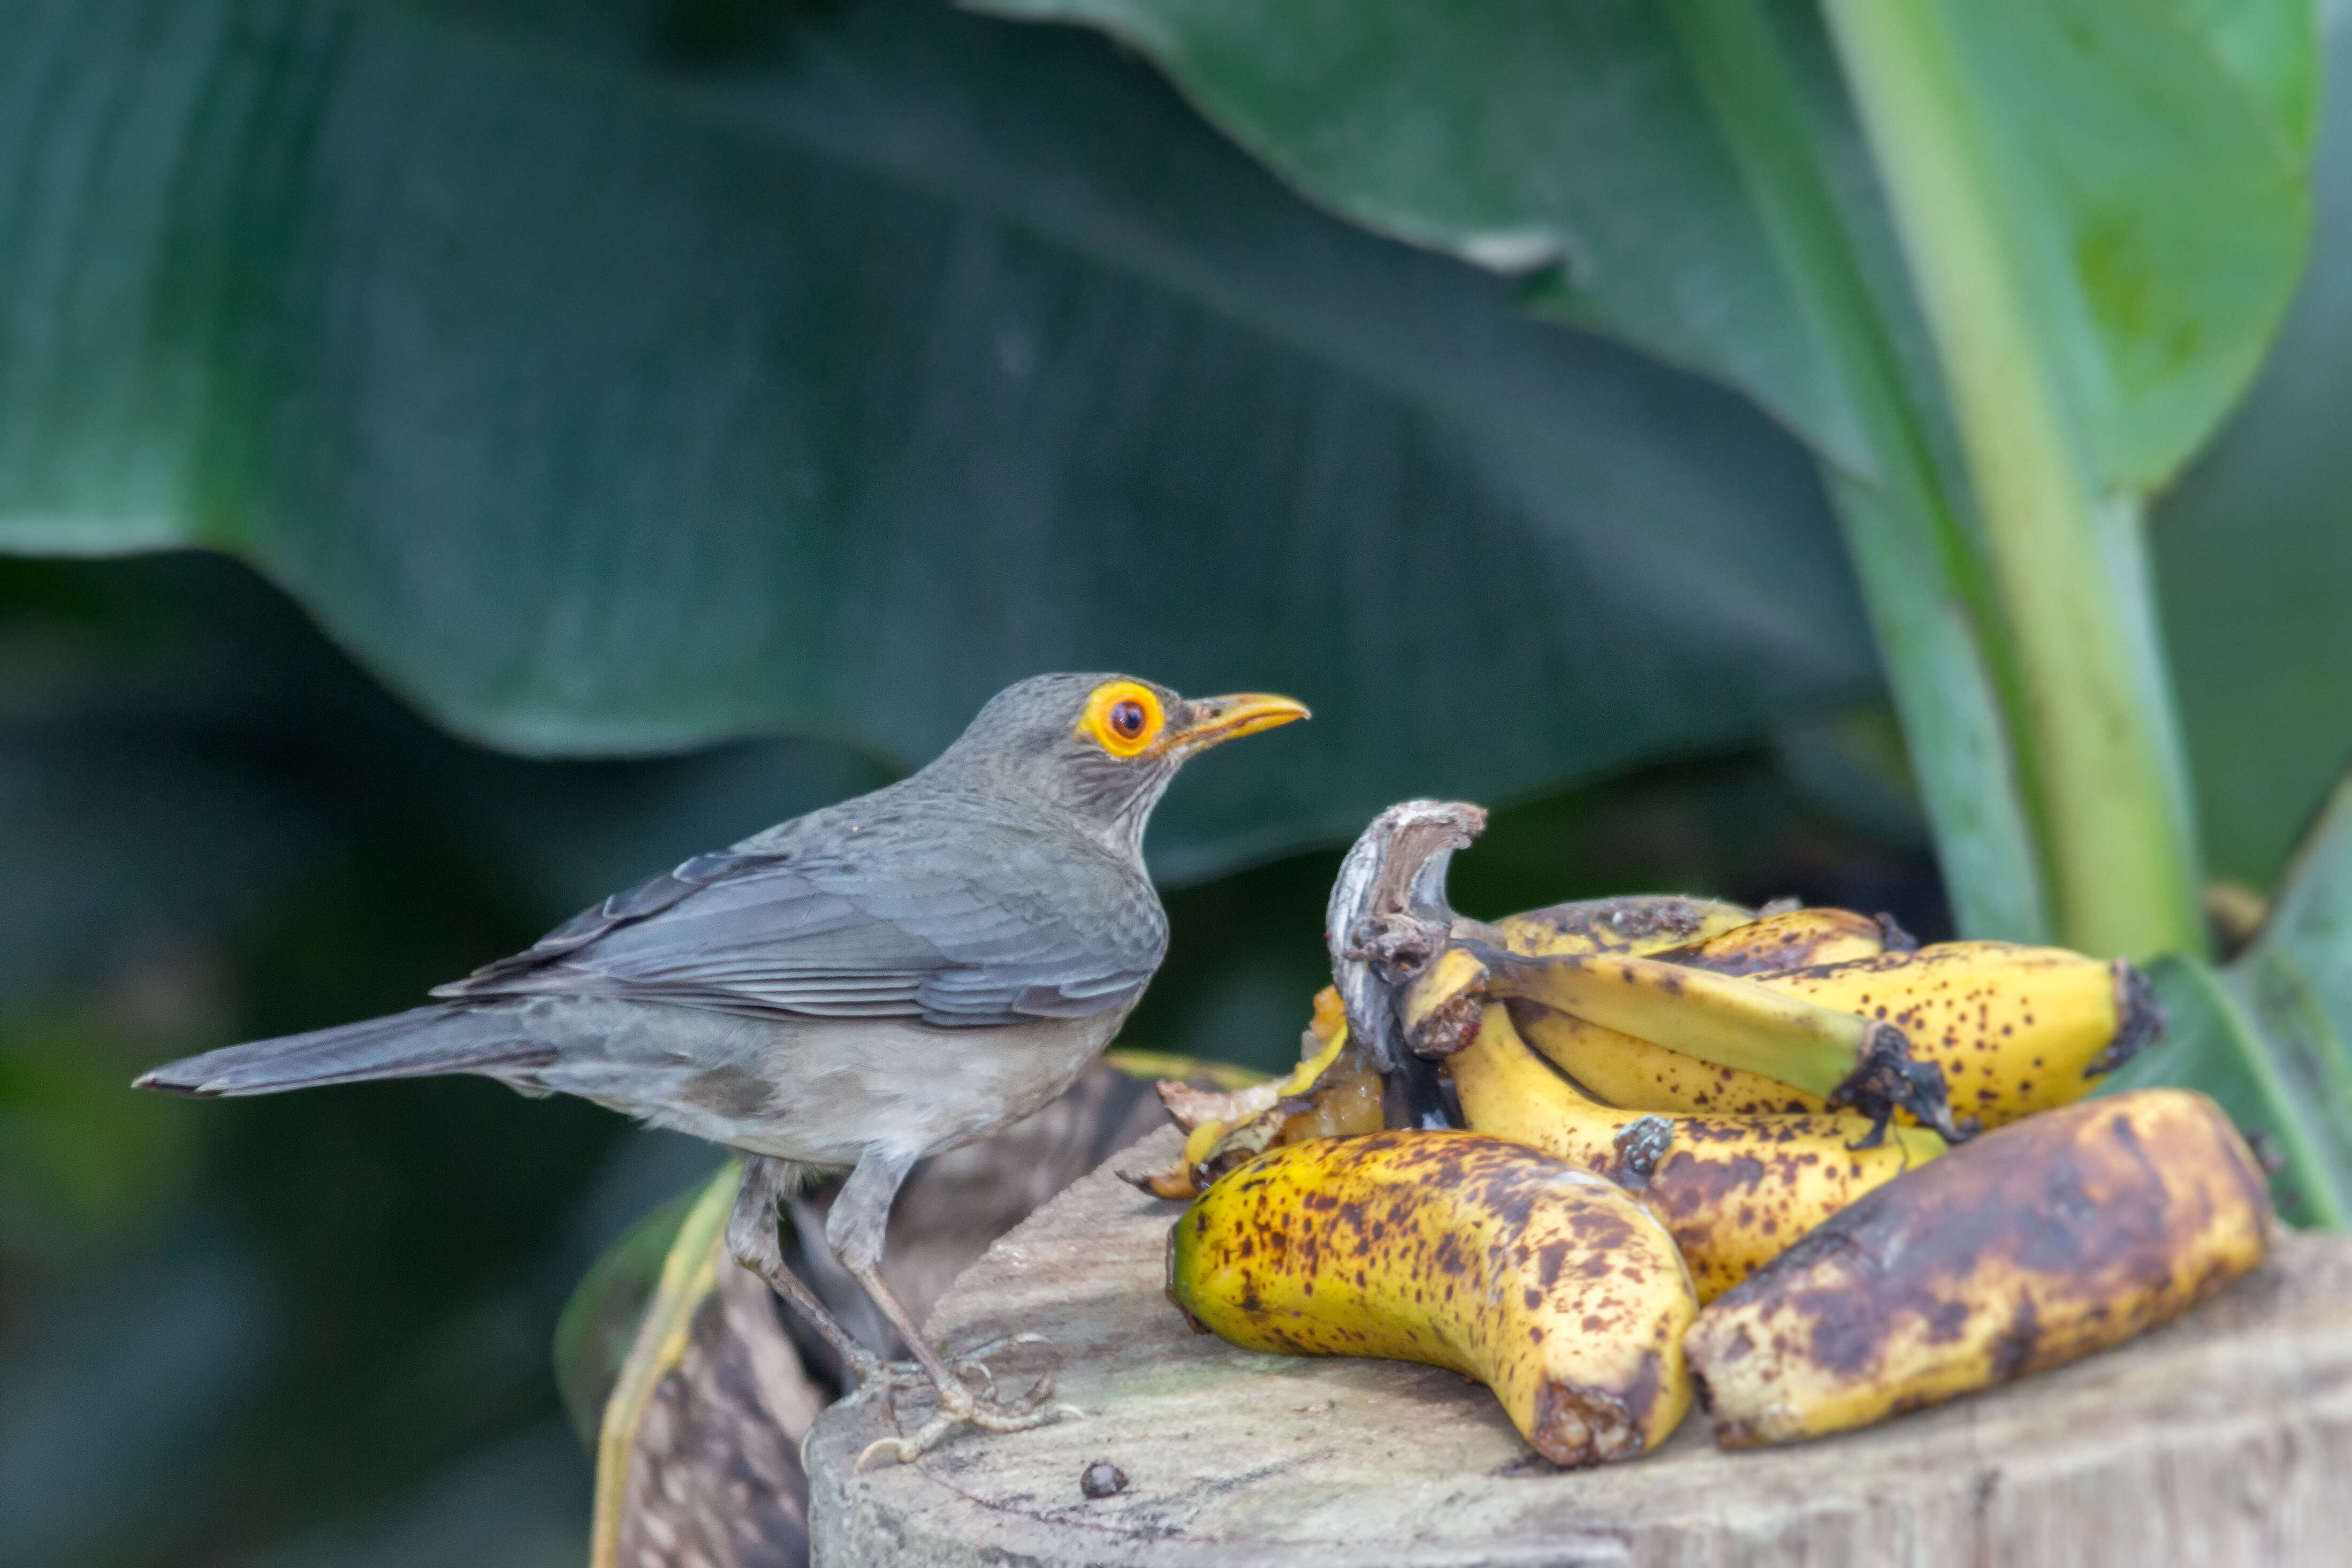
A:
(2066, 554)
(1928, 605)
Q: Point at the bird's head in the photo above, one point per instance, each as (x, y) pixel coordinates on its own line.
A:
(1102, 747)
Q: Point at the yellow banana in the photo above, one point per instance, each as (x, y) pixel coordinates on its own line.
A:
(2014, 1029)
(1634, 1074)
(2063, 1235)
(1794, 939)
(1549, 1285)
(1735, 1192)
(1636, 923)
(1733, 1021)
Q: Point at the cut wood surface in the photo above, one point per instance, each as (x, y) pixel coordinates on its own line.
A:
(2221, 1439)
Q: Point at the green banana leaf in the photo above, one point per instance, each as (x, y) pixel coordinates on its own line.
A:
(1690, 176)
(2266, 1033)
(609, 387)
(1595, 147)
(2252, 553)
(393, 300)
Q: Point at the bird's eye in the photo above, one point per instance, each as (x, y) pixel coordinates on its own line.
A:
(1123, 717)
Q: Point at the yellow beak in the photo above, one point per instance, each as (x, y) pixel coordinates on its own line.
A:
(1219, 719)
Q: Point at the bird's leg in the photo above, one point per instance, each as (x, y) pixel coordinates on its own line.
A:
(751, 1241)
(855, 1230)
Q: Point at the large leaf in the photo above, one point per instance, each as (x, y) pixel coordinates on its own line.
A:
(608, 393)
(1687, 177)
(2149, 156)
(2102, 208)
(2254, 554)
(1573, 143)
(2270, 1037)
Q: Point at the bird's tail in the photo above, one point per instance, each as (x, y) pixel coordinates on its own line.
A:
(420, 1043)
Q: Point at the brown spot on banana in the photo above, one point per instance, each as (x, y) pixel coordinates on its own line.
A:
(2057, 1236)
(1544, 1282)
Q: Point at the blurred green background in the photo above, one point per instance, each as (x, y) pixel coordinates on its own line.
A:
(573, 398)
(314, 1329)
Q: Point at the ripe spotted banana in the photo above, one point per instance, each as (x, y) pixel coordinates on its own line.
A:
(1795, 938)
(1549, 1285)
(1734, 1021)
(1735, 1192)
(2063, 1235)
(1636, 924)
(2015, 1030)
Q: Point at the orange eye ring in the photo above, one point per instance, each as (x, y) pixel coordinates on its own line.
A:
(1123, 717)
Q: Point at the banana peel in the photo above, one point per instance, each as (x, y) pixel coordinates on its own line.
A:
(1333, 1092)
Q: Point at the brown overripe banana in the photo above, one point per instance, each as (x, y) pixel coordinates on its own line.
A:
(1735, 1192)
(2061, 1235)
(1547, 1284)
(2014, 1029)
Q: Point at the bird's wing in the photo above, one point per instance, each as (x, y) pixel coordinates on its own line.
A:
(1006, 925)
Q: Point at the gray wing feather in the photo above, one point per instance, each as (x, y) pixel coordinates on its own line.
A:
(991, 925)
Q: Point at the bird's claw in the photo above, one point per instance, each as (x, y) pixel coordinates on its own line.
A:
(959, 1405)
(1030, 1411)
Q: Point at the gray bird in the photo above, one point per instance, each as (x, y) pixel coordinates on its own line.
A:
(878, 981)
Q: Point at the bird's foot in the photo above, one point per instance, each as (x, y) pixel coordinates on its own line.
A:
(959, 1405)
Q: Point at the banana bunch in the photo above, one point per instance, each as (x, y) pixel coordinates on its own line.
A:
(1772, 1092)
(1546, 1283)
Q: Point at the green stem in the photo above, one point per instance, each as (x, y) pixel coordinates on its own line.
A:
(1918, 570)
(2065, 549)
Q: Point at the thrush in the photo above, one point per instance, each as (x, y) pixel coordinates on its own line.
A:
(881, 979)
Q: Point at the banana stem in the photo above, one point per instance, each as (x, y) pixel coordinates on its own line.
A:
(2065, 549)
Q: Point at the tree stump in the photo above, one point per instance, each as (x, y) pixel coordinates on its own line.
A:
(2223, 1438)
